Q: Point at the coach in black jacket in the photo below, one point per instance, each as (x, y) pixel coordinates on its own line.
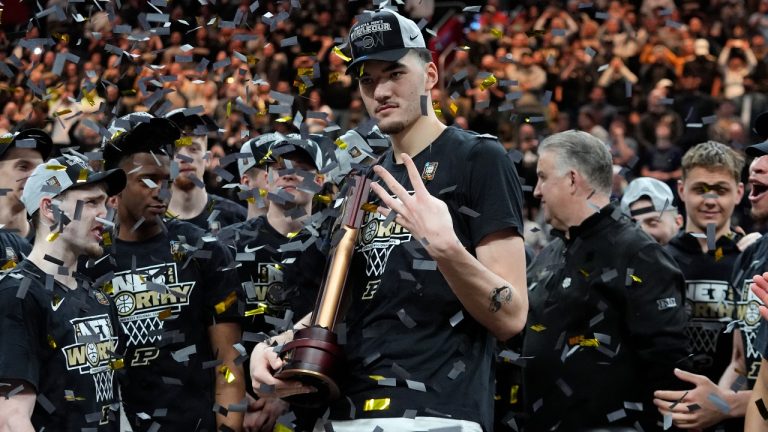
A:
(606, 319)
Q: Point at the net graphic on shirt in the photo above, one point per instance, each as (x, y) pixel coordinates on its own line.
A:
(376, 260)
(104, 388)
(702, 338)
(377, 240)
(143, 330)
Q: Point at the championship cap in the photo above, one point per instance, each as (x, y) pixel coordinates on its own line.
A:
(57, 175)
(257, 150)
(293, 143)
(646, 187)
(139, 133)
(36, 139)
(383, 35)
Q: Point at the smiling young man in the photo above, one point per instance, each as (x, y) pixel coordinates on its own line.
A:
(429, 286)
(175, 297)
(252, 166)
(190, 201)
(706, 252)
(59, 338)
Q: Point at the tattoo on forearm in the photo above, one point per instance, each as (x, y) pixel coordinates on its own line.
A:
(500, 296)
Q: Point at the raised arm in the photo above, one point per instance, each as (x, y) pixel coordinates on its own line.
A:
(16, 410)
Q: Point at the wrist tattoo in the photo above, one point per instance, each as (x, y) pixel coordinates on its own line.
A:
(499, 296)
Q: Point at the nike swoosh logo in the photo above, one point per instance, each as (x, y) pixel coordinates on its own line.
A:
(414, 37)
(248, 250)
(58, 305)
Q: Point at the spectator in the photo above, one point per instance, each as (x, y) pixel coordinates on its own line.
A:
(650, 203)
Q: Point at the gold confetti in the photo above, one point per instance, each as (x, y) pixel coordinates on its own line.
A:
(340, 53)
(513, 394)
(164, 314)
(183, 141)
(55, 167)
(584, 273)
(229, 108)
(334, 77)
(292, 235)
(106, 238)
(369, 207)
(636, 279)
(52, 236)
(498, 34)
(108, 288)
(361, 69)
(226, 303)
(62, 112)
(51, 342)
(281, 428)
(89, 96)
(324, 199)
(488, 82)
(589, 343)
(454, 107)
(83, 176)
(6, 139)
(8, 265)
(340, 143)
(376, 404)
(285, 119)
(258, 311)
(719, 253)
(262, 192)
(438, 110)
(228, 375)
(376, 377)
(117, 364)
(538, 328)
(252, 60)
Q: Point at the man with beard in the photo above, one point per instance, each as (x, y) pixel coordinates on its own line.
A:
(59, 338)
(190, 201)
(437, 271)
(175, 296)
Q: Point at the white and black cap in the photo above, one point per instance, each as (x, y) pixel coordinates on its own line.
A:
(656, 191)
(383, 35)
(293, 144)
(65, 172)
(257, 151)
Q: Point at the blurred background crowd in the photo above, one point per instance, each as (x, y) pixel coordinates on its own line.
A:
(651, 78)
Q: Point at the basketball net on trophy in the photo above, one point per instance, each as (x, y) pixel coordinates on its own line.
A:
(314, 357)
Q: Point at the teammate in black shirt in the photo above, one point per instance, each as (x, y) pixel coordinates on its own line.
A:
(189, 200)
(175, 296)
(280, 261)
(59, 338)
(706, 253)
(430, 289)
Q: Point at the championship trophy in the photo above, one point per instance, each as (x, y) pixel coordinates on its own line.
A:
(314, 357)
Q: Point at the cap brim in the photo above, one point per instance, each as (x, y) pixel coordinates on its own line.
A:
(757, 150)
(43, 142)
(391, 55)
(183, 122)
(115, 179)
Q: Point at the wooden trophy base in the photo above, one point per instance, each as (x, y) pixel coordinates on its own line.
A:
(313, 358)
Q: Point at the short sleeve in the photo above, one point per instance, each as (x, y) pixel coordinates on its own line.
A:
(21, 321)
(493, 191)
(222, 287)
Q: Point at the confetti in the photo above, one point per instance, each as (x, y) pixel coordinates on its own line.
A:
(488, 82)
(376, 404)
(229, 376)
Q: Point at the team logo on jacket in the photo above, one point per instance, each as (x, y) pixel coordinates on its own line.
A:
(430, 169)
(94, 347)
(748, 311)
(267, 286)
(376, 241)
(146, 298)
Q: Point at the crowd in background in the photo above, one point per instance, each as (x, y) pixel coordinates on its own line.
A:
(650, 78)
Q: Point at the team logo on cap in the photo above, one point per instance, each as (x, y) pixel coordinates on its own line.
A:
(53, 181)
(372, 33)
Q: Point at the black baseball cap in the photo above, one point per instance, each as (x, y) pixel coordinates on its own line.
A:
(383, 35)
(65, 172)
(139, 133)
(761, 129)
(192, 123)
(32, 138)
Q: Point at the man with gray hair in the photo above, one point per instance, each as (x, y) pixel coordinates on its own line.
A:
(606, 318)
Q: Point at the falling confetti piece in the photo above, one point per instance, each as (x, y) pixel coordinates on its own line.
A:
(183, 141)
(340, 53)
(636, 279)
(228, 375)
(164, 314)
(488, 82)
(538, 327)
(117, 364)
(52, 236)
(376, 404)
(226, 303)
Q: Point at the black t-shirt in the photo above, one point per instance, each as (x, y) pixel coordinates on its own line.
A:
(13, 248)
(64, 343)
(751, 262)
(405, 325)
(709, 300)
(229, 212)
(167, 290)
(275, 271)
